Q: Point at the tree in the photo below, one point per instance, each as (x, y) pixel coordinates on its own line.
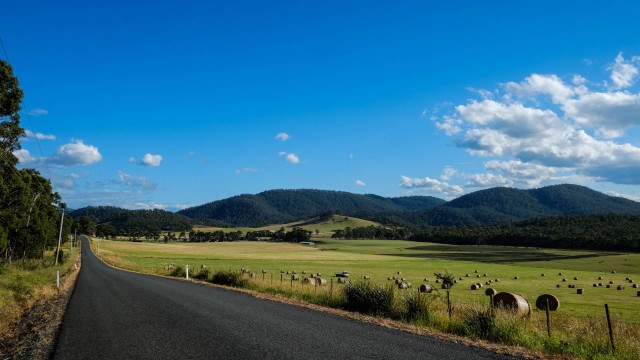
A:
(86, 226)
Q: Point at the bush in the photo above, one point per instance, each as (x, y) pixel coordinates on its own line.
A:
(203, 274)
(417, 307)
(364, 297)
(177, 271)
(501, 325)
(229, 278)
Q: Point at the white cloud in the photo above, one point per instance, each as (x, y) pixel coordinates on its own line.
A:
(74, 154)
(24, 156)
(151, 160)
(133, 181)
(133, 160)
(623, 73)
(74, 176)
(38, 112)
(529, 140)
(431, 185)
(360, 183)
(290, 157)
(246, 170)
(282, 136)
(447, 173)
(39, 136)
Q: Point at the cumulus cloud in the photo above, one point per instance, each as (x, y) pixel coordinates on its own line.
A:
(447, 173)
(39, 136)
(428, 184)
(133, 181)
(623, 73)
(151, 160)
(38, 112)
(290, 157)
(24, 156)
(360, 183)
(544, 129)
(76, 153)
(282, 136)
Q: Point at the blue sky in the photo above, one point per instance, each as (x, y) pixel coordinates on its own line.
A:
(164, 104)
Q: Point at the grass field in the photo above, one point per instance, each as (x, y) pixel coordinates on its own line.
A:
(324, 227)
(381, 259)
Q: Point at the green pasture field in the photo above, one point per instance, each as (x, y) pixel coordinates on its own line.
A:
(324, 228)
(381, 259)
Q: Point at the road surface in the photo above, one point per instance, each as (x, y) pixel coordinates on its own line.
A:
(115, 314)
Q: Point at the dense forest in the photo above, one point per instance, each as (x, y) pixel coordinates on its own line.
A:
(283, 206)
(29, 209)
(111, 221)
(619, 232)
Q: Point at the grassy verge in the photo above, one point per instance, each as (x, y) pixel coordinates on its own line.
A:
(577, 333)
(25, 287)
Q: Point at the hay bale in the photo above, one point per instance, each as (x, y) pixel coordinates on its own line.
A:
(309, 281)
(467, 275)
(575, 278)
(437, 281)
(410, 285)
(608, 286)
(542, 274)
(580, 291)
(557, 285)
(313, 275)
(512, 301)
(490, 291)
(366, 277)
(474, 287)
(455, 281)
(599, 284)
(559, 274)
(341, 280)
(515, 278)
(321, 281)
(402, 279)
(389, 278)
(460, 278)
(599, 277)
(485, 275)
(295, 277)
(476, 271)
(564, 280)
(398, 281)
(479, 285)
(478, 275)
(630, 281)
(497, 280)
(399, 273)
(638, 294)
(635, 286)
(626, 278)
(613, 272)
(403, 285)
(304, 272)
(541, 302)
(611, 282)
(620, 287)
(318, 274)
(595, 285)
(425, 288)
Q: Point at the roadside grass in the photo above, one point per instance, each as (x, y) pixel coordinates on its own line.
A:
(578, 329)
(22, 284)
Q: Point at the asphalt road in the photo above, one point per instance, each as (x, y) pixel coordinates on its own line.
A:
(115, 314)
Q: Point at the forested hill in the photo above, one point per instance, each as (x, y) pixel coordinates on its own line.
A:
(139, 219)
(499, 204)
(478, 208)
(283, 206)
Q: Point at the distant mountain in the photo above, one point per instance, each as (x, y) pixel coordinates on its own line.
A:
(499, 204)
(283, 206)
(140, 219)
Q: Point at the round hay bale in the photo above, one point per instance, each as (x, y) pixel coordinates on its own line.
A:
(557, 285)
(437, 281)
(295, 277)
(403, 285)
(474, 287)
(638, 294)
(490, 291)
(341, 280)
(293, 272)
(608, 286)
(542, 274)
(425, 279)
(559, 274)
(478, 275)
(620, 287)
(515, 278)
(635, 286)
(304, 272)
(366, 277)
(476, 271)
(318, 274)
(599, 284)
(444, 286)
(595, 285)
(630, 281)
(402, 279)
(485, 275)
(460, 278)
(399, 273)
(309, 281)
(512, 301)
(626, 278)
(611, 282)
(564, 280)
(398, 281)
(467, 275)
(488, 283)
(599, 277)
(455, 281)
(613, 272)
(321, 281)
(425, 288)
(479, 285)
(313, 275)
(497, 280)
(580, 291)
(575, 278)
(389, 278)
(541, 302)
(409, 285)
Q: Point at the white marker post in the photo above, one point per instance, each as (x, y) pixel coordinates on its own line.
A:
(58, 279)
(187, 272)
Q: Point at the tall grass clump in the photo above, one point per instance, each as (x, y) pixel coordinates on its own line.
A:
(417, 308)
(229, 278)
(178, 271)
(202, 274)
(498, 325)
(367, 298)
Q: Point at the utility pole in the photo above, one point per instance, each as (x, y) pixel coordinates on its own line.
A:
(59, 236)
